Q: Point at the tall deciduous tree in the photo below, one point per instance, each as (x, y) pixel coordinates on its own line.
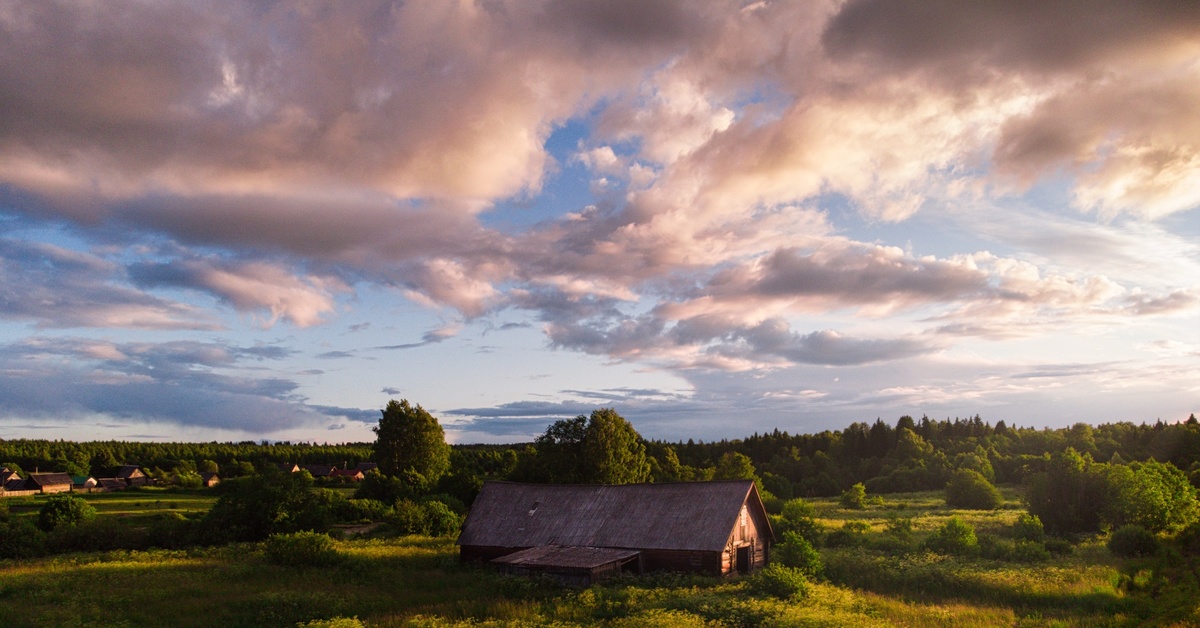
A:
(410, 441)
(613, 452)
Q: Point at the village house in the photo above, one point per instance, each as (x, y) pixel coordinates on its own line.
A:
(112, 484)
(288, 467)
(133, 476)
(347, 475)
(366, 467)
(320, 470)
(83, 483)
(584, 533)
(209, 479)
(49, 482)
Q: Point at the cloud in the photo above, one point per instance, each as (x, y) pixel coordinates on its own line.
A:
(62, 288)
(249, 286)
(175, 382)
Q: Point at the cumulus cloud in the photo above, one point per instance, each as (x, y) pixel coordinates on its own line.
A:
(748, 161)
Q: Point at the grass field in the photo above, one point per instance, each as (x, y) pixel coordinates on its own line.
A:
(134, 506)
(417, 581)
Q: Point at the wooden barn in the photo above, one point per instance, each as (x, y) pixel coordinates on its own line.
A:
(50, 482)
(581, 533)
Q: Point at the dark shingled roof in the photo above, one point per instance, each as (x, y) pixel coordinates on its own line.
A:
(674, 516)
(573, 557)
(50, 479)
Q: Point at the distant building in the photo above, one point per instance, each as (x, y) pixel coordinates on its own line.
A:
(209, 479)
(288, 467)
(320, 470)
(133, 476)
(112, 484)
(83, 482)
(348, 475)
(583, 533)
(49, 482)
(366, 467)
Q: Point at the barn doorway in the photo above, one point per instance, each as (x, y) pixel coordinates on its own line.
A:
(743, 559)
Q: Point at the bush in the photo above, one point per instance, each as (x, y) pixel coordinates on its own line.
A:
(798, 553)
(20, 538)
(440, 519)
(255, 507)
(852, 534)
(798, 516)
(954, 537)
(897, 537)
(408, 517)
(1059, 547)
(360, 510)
(301, 549)
(1029, 528)
(1132, 540)
(969, 489)
(62, 511)
(1029, 551)
(855, 497)
(785, 583)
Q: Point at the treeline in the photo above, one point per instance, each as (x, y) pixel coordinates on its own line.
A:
(909, 455)
(100, 458)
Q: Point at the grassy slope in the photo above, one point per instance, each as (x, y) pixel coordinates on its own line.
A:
(418, 582)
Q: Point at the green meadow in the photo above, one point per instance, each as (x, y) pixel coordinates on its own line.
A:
(418, 581)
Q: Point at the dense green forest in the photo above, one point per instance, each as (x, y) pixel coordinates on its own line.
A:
(910, 455)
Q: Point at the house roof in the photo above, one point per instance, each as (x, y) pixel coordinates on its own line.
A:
(15, 484)
(130, 471)
(571, 557)
(50, 479)
(111, 483)
(81, 479)
(681, 516)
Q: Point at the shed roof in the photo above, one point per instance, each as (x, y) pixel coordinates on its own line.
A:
(680, 516)
(570, 557)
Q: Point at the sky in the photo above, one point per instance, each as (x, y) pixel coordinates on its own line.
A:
(263, 220)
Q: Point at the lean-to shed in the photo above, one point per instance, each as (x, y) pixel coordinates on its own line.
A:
(709, 527)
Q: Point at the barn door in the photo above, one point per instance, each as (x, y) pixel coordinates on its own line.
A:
(743, 559)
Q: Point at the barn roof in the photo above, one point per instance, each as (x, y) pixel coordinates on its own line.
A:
(50, 479)
(570, 557)
(680, 516)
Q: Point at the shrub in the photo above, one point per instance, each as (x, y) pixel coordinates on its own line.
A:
(995, 548)
(62, 511)
(798, 516)
(1028, 527)
(853, 533)
(409, 517)
(255, 507)
(954, 537)
(1059, 547)
(855, 497)
(440, 519)
(969, 489)
(20, 538)
(358, 510)
(785, 583)
(1029, 551)
(798, 553)
(301, 549)
(1132, 540)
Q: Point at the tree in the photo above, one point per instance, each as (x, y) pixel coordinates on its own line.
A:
(855, 497)
(1151, 494)
(1069, 496)
(559, 454)
(255, 507)
(967, 488)
(613, 452)
(410, 440)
